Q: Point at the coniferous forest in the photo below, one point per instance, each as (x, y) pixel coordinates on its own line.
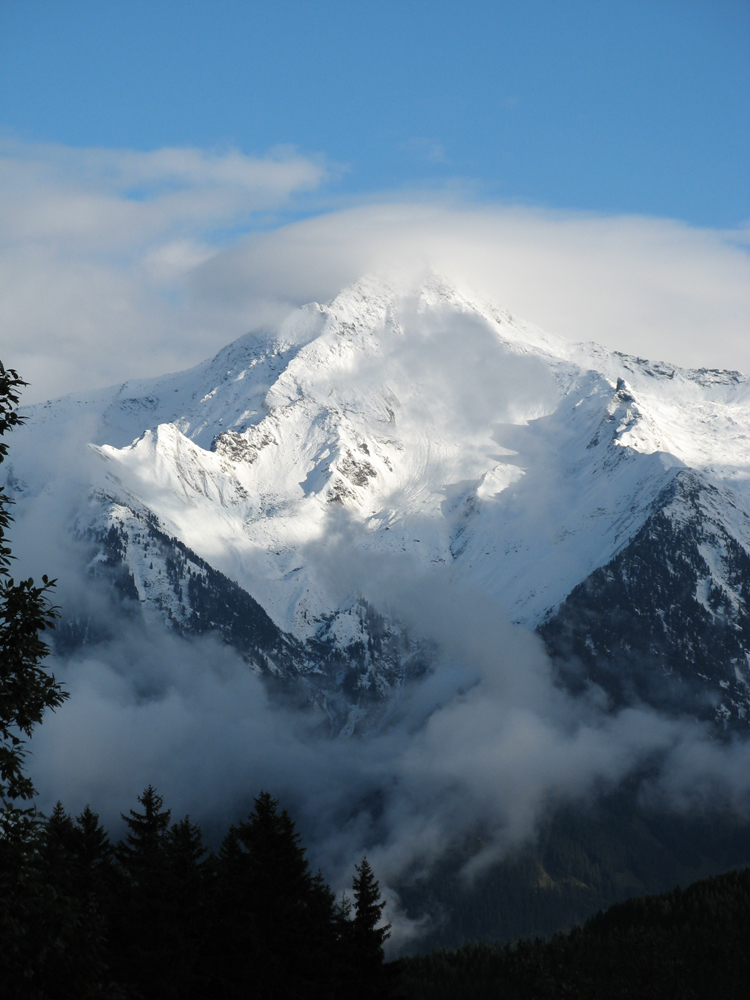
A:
(159, 915)
(682, 945)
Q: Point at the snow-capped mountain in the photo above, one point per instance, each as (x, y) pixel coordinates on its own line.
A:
(600, 498)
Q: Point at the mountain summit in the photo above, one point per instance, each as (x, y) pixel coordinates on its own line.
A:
(599, 498)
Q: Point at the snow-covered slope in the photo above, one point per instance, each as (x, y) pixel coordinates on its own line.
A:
(439, 425)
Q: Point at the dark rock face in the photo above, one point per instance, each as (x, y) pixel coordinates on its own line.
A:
(211, 602)
(201, 599)
(358, 678)
(142, 569)
(104, 564)
(667, 621)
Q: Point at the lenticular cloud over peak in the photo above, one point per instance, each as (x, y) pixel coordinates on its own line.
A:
(117, 263)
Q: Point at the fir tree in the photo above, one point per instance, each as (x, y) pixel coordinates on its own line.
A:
(95, 852)
(184, 892)
(275, 927)
(367, 938)
(368, 911)
(142, 852)
(59, 831)
(139, 927)
(76, 963)
(185, 852)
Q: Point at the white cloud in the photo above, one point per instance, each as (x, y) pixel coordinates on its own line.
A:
(105, 200)
(486, 742)
(95, 243)
(116, 264)
(424, 148)
(652, 287)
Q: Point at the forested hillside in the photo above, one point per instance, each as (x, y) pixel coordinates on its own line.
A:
(681, 945)
(581, 860)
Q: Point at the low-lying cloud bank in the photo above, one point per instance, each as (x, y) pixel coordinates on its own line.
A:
(486, 744)
(117, 264)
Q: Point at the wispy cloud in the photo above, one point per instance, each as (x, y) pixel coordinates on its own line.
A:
(427, 149)
(105, 199)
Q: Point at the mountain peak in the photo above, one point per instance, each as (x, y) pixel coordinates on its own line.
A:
(437, 428)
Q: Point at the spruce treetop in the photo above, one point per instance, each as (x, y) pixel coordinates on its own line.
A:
(368, 907)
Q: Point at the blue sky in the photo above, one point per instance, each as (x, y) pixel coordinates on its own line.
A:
(172, 174)
(613, 107)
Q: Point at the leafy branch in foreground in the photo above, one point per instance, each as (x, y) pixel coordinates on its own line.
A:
(26, 689)
(45, 937)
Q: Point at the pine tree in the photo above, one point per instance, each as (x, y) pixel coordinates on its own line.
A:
(59, 830)
(275, 926)
(185, 852)
(367, 938)
(142, 852)
(186, 873)
(94, 849)
(262, 880)
(140, 932)
(76, 962)
(368, 910)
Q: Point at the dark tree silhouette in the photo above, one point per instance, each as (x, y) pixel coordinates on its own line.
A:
(187, 871)
(367, 937)
(95, 852)
(139, 926)
(44, 938)
(275, 928)
(141, 853)
(27, 690)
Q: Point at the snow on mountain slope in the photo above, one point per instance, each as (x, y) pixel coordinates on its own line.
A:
(442, 426)
(227, 390)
